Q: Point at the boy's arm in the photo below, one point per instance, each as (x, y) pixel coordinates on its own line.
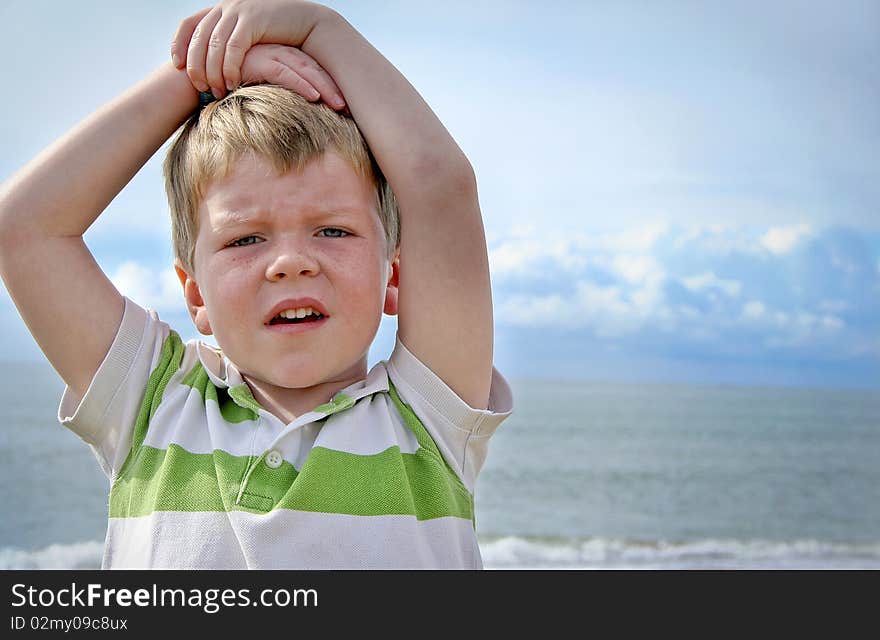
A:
(71, 308)
(445, 299)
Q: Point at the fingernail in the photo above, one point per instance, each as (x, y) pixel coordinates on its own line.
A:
(175, 59)
(338, 102)
(314, 95)
(216, 93)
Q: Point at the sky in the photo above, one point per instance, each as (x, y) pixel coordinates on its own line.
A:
(672, 191)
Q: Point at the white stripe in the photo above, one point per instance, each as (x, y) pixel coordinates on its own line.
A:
(166, 540)
(286, 539)
(104, 416)
(370, 427)
(460, 432)
(183, 418)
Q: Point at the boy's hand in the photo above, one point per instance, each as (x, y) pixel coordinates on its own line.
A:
(213, 42)
(289, 67)
(442, 240)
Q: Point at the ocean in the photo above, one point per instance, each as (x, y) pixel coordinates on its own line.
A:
(583, 475)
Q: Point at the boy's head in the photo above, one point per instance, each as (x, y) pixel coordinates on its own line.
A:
(277, 125)
(275, 200)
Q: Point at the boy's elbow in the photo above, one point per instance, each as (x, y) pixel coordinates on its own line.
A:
(448, 175)
(465, 178)
(15, 221)
(10, 223)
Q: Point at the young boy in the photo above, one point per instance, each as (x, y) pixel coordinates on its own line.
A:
(279, 449)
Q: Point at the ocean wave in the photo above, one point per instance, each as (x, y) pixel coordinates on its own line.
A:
(512, 552)
(79, 555)
(610, 553)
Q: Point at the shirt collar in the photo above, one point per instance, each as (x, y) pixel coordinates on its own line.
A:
(225, 375)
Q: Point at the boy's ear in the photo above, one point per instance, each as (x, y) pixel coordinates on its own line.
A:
(194, 302)
(393, 286)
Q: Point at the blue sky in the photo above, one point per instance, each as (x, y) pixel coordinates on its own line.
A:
(672, 191)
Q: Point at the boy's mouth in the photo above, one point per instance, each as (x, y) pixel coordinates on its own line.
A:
(303, 310)
(299, 316)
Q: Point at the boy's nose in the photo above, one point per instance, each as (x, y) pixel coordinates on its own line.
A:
(291, 262)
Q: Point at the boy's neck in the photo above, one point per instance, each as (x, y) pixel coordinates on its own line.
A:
(288, 404)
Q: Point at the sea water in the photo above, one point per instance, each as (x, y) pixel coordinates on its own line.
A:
(583, 475)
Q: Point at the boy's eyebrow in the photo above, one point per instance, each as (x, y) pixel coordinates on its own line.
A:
(233, 218)
(225, 219)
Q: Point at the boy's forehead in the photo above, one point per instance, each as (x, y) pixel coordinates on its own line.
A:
(326, 186)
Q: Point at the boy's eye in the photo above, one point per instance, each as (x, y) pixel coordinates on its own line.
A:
(335, 233)
(243, 242)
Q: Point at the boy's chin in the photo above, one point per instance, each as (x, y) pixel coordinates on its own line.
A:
(303, 377)
(299, 380)
(305, 373)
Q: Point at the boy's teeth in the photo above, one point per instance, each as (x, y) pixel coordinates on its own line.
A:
(302, 312)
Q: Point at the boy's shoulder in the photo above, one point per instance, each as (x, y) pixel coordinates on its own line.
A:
(155, 389)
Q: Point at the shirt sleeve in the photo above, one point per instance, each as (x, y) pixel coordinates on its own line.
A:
(461, 432)
(105, 416)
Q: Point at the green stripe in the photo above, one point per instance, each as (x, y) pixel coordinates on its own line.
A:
(232, 411)
(177, 480)
(387, 483)
(331, 481)
(412, 421)
(169, 362)
(382, 484)
(243, 396)
(338, 403)
(426, 443)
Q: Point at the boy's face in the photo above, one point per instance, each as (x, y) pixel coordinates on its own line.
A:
(264, 239)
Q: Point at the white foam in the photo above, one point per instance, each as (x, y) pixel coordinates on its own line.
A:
(606, 553)
(590, 553)
(80, 555)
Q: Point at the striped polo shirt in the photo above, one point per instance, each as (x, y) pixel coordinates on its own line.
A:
(202, 477)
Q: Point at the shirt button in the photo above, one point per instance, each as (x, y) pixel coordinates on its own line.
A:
(274, 459)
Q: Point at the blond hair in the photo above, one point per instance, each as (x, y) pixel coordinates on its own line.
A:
(277, 125)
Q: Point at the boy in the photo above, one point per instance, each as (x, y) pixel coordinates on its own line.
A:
(278, 450)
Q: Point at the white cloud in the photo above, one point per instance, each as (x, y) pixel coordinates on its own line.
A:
(780, 240)
(709, 280)
(754, 309)
(607, 311)
(511, 257)
(716, 238)
(518, 256)
(525, 250)
(158, 290)
(795, 329)
(537, 311)
(640, 239)
(834, 306)
(843, 263)
(607, 308)
(696, 233)
(615, 287)
(636, 269)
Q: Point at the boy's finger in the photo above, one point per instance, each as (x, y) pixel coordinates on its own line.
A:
(216, 53)
(180, 42)
(280, 74)
(313, 73)
(237, 46)
(331, 93)
(198, 49)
